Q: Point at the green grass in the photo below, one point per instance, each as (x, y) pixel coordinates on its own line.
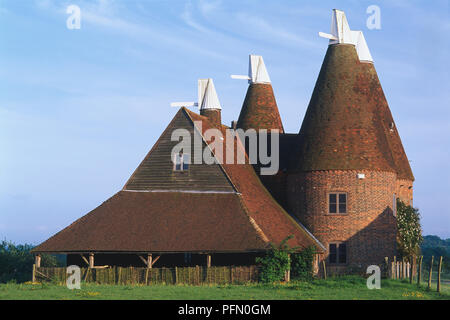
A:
(348, 288)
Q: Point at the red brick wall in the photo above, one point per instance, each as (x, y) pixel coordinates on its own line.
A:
(214, 115)
(405, 191)
(368, 228)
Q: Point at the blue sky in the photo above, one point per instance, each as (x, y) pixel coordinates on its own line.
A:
(79, 109)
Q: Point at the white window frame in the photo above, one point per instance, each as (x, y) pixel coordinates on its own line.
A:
(183, 160)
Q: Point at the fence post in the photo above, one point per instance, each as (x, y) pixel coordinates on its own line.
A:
(403, 268)
(33, 278)
(439, 275)
(419, 274)
(231, 274)
(431, 271)
(324, 269)
(409, 271)
(386, 262)
(395, 268)
(37, 259)
(176, 275)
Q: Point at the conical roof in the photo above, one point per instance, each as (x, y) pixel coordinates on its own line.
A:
(393, 137)
(259, 110)
(348, 124)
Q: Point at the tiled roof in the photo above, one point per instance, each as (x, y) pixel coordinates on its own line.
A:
(160, 222)
(241, 219)
(260, 110)
(348, 124)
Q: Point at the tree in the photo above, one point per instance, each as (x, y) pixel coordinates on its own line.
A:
(409, 236)
(16, 262)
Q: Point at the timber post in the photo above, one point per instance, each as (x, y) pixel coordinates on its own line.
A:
(33, 278)
(287, 276)
(386, 263)
(149, 261)
(419, 274)
(208, 260)
(394, 275)
(91, 260)
(37, 260)
(411, 271)
(324, 269)
(431, 272)
(176, 275)
(439, 275)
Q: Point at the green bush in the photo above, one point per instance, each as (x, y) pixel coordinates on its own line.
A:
(302, 264)
(274, 264)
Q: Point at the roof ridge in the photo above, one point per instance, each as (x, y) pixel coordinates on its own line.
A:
(204, 140)
(151, 150)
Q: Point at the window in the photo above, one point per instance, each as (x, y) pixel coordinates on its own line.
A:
(337, 253)
(181, 162)
(337, 202)
(187, 257)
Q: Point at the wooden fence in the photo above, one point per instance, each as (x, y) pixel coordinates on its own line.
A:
(145, 276)
(414, 270)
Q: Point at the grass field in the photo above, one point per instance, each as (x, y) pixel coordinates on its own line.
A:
(348, 288)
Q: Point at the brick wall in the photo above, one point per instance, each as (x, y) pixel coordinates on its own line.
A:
(405, 191)
(368, 227)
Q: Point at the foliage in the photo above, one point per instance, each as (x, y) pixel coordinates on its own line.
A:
(302, 264)
(16, 262)
(435, 246)
(409, 234)
(275, 263)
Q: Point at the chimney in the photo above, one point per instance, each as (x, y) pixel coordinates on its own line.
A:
(208, 101)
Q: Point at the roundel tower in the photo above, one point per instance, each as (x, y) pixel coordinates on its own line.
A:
(349, 166)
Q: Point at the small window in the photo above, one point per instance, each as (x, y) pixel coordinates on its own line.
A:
(181, 162)
(337, 253)
(342, 253)
(333, 253)
(187, 257)
(337, 202)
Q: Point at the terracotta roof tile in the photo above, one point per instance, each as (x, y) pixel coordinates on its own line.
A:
(260, 110)
(145, 221)
(347, 122)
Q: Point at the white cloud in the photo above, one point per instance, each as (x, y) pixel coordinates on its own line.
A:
(267, 30)
(186, 16)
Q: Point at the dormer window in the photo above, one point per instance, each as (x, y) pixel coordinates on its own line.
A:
(181, 162)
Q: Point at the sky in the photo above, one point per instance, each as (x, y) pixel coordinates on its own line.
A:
(80, 108)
